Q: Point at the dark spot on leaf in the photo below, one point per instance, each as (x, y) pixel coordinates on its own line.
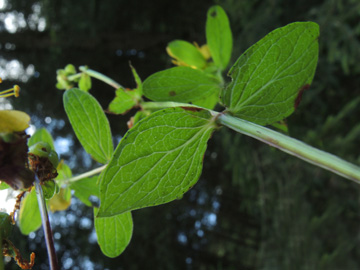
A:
(193, 109)
(213, 14)
(172, 93)
(301, 91)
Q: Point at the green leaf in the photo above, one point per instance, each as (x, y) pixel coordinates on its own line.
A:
(181, 84)
(85, 82)
(29, 215)
(157, 161)
(219, 36)
(85, 188)
(269, 78)
(41, 135)
(123, 102)
(70, 69)
(49, 188)
(89, 123)
(5, 225)
(209, 102)
(138, 81)
(113, 233)
(3, 185)
(126, 99)
(64, 173)
(186, 54)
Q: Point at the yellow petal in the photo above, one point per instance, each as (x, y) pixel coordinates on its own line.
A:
(205, 51)
(13, 121)
(60, 201)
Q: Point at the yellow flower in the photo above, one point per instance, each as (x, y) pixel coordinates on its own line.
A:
(204, 50)
(11, 120)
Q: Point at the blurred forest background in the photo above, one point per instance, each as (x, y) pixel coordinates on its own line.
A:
(253, 207)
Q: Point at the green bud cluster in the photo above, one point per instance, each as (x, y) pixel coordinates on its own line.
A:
(43, 149)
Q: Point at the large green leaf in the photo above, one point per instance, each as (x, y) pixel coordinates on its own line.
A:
(269, 78)
(113, 233)
(219, 36)
(41, 135)
(181, 84)
(89, 123)
(29, 215)
(157, 161)
(85, 188)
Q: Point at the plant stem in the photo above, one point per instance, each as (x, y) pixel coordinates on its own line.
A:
(87, 174)
(1, 256)
(46, 226)
(101, 77)
(293, 147)
(149, 105)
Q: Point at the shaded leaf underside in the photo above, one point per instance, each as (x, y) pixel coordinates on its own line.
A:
(157, 161)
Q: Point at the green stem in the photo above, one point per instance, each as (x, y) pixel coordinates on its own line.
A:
(101, 77)
(46, 226)
(1, 256)
(153, 106)
(87, 174)
(293, 147)
(74, 77)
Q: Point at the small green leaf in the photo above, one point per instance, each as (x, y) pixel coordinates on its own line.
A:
(269, 78)
(3, 185)
(5, 225)
(157, 161)
(181, 84)
(89, 123)
(41, 135)
(113, 233)
(219, 36)
(85, 82)
(70, 69)
(29, 215)
(186, 54)
(85, 188)
(49, 188)
(64, 173)
(138, 81)
(122, 102)
(139, 115)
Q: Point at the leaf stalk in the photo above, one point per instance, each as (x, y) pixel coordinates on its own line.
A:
(293, 147)
(101, 77)
(86, 174)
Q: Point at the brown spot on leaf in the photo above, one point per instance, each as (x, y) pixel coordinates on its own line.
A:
(172, 93)
(193, 109)
(213, 14)
(301, 91)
